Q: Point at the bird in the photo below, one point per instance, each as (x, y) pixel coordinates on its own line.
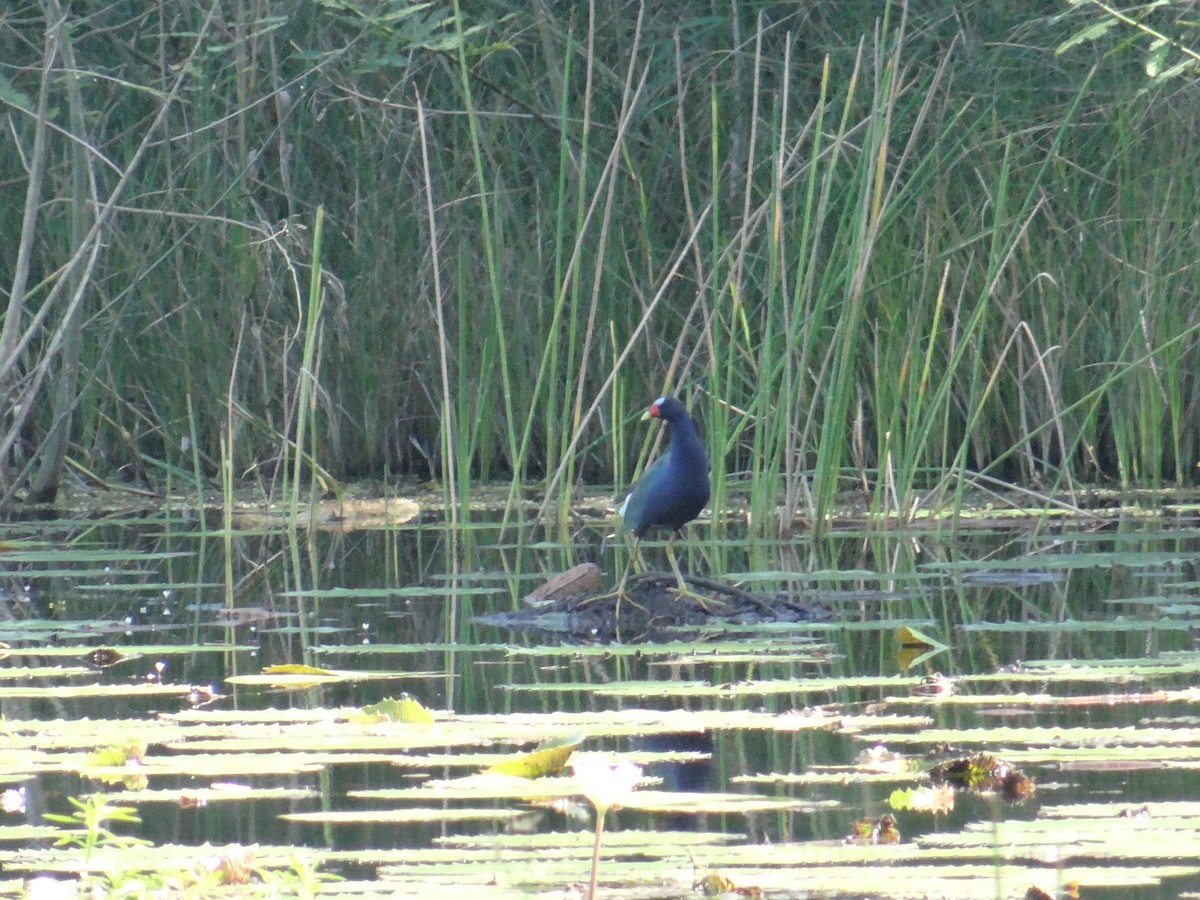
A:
(674, 489)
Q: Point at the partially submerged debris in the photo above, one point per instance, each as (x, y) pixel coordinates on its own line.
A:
(984, 773)
(576, 604)
(714, 884)
(868, 831)
(583, 580)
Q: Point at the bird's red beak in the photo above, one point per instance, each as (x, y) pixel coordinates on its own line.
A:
(654, 412)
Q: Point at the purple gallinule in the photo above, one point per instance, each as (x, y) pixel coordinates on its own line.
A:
(672, 491)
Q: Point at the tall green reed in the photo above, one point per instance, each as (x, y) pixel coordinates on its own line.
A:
(877, 253)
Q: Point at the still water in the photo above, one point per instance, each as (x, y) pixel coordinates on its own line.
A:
(1065, 650)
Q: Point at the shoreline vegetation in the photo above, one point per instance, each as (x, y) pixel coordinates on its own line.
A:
(371, 505)
(913, 251)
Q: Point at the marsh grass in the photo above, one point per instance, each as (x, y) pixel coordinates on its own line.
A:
(889, 259)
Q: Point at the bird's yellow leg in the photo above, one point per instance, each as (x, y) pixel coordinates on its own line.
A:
(635, 558)
(708, 604)
(683, 588)
(620, 592)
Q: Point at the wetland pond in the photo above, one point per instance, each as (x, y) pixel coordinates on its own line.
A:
(992, 710)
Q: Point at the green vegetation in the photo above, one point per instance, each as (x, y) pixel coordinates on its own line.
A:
(797, 752)
(916, 249)
(157, 742)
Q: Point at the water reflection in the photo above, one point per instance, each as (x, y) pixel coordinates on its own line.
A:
(189, 607)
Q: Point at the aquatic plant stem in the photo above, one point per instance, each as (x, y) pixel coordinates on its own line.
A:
(306, 388)
(227, 480)
(600, 813)
(489, 240)
(455, 457)
(449, 414)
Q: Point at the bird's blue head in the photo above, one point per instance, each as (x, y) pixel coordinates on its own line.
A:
(666, 408)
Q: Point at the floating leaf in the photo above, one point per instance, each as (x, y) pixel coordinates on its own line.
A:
(701, 802)
(479, 786)
(121, 764)
(297, 669)
(131, 751)
(296, 675)
(404, 709)
(550, 758)
(243, 615)
(398, 816)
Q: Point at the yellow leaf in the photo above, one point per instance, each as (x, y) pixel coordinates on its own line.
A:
(297, 669)
(295, 675)
(404, 709)
(545, 760)
(915, 647)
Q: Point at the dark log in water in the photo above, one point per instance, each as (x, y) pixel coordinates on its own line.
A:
(574, 606)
